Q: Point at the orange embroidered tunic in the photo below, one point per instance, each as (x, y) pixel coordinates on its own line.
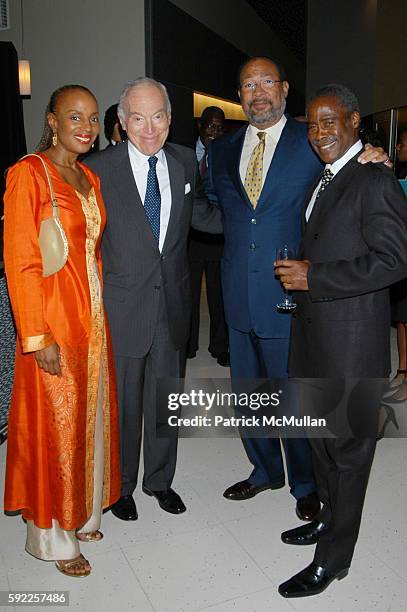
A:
(50, 454)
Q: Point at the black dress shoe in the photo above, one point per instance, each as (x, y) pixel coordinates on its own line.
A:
(191, 354)
(168, 500)
(307, 507)
(224, 360)
(246, 490)
(304, 535)
(125, 509)
(310, 581)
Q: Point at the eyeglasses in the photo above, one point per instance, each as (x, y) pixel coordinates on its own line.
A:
(265, 83)
(214, 126)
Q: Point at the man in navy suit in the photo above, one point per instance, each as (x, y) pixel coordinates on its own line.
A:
(258, 217)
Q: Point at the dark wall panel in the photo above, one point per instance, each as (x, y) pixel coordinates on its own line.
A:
(187, 56)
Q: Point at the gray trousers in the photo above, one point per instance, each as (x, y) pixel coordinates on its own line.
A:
(137, 389)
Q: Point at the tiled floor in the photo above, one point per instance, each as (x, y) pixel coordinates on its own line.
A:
(223, 556)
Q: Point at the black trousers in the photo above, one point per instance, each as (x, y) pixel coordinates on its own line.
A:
(342, 468)
(218, 335)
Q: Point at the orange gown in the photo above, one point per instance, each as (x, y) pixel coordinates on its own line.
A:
(50, 454)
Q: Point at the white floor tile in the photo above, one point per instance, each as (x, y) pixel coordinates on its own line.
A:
(262, 601)
(224, 556)
(111, 586)
(260, 537)
(155, 524)
(186, 572)
(222, 456)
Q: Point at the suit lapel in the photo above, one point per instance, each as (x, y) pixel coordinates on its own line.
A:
(311, 190)
(235, 153)
(332, 192)
(278, 163)
(176, 174)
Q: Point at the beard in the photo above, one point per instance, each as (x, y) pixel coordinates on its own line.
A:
(272, 115)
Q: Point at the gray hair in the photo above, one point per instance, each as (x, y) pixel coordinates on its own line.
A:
(345, 97)
(136, 83)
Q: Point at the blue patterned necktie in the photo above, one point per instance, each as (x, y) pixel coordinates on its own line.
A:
(152, 201)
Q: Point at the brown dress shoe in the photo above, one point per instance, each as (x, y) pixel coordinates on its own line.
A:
(307, 507)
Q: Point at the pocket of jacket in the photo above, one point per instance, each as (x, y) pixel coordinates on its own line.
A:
(117, 294)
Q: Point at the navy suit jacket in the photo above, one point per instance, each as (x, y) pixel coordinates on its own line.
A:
(250, 288)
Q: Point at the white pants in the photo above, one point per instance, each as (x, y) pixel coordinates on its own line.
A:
(58, 544)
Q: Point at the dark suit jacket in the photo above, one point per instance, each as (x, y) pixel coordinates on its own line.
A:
(250, 288)
(135, 272)
(356, 239)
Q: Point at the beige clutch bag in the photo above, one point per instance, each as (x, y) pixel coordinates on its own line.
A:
(52, 239)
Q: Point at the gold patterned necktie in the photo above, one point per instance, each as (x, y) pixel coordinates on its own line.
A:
(254, 173)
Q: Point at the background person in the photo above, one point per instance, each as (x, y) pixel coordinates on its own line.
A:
(398, 386)
(205, 252)
(63, 447)
(114, 132)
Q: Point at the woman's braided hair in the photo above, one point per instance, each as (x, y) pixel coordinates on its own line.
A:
(46, 138)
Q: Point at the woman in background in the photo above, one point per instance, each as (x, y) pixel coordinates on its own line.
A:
(399, 302)
(63, 451)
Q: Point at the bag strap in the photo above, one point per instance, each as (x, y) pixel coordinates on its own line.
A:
(51, 189)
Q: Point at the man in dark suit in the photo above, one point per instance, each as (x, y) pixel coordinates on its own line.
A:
(114, 133)
(260, 214)
(152, 193)
(205, 252)
(353, 247)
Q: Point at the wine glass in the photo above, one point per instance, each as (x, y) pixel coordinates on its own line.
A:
(287, 305)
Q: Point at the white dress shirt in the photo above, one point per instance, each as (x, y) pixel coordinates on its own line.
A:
(251, 140)
(140, 166)
(334, 168)
(200, 149)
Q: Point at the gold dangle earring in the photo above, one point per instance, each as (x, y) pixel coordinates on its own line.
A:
(54, 139)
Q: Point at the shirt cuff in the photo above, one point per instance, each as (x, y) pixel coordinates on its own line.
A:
(30, 344)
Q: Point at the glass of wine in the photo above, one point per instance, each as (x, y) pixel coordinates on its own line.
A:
(287, 304)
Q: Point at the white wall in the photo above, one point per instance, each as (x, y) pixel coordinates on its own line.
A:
(96, 43)
(239, 24)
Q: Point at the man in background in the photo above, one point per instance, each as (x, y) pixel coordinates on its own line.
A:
(114, 132)
(205, 252)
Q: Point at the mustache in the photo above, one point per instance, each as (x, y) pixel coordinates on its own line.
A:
(324, 141)
(261, 100)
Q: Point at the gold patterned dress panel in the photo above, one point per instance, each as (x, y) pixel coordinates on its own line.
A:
(97, 355)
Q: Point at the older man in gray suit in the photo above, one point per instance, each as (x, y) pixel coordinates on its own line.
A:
(152, 194)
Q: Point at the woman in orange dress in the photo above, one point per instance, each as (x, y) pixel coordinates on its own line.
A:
(63, 447)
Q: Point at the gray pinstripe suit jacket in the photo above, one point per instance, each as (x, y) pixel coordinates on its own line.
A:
(135, 273)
